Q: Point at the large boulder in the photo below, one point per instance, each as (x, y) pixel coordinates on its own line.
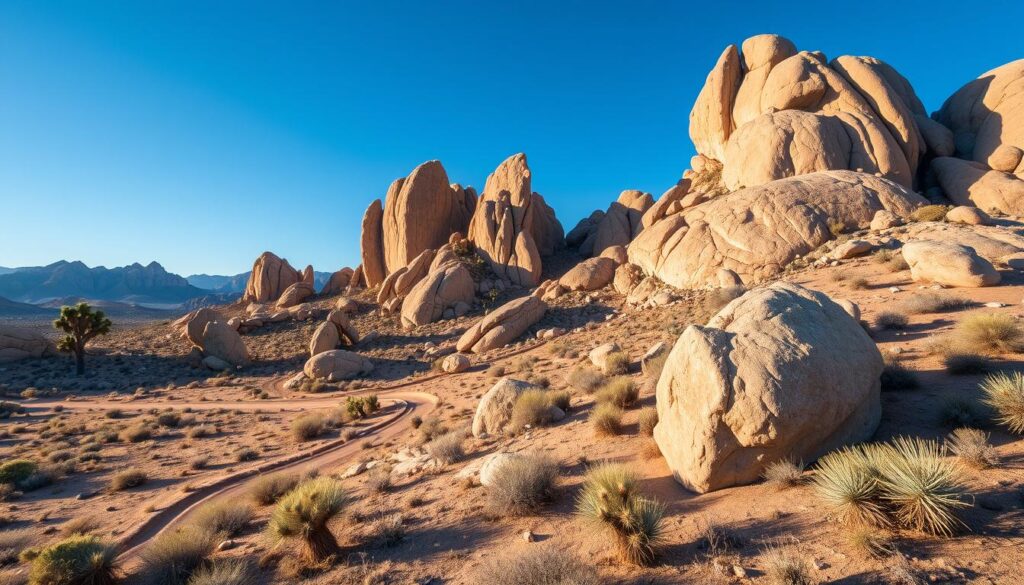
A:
(590, 274)
(269, 278)
(325, 338)
(495, 408)
(337, 364)
(371, 244)
(441, 289)
(512, 225)
(757, 232)
(949, 264)
(337, 283)
(221, 341)
(18, 343)
(195, 324)
(620, 224)
(295, 294)
(779, 373)
(503, 325)
(347, 332)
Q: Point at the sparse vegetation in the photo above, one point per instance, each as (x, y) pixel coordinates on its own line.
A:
(972, 447)
(267, 489)
(76, 560)
(888, 320)
(1004, 392)
(223, 518)
(989, 333)
(786, 567)
(783, 474)
(390, 529)
(531, 409)
(610, 499)
(869, 542)
(379, 479)
(859, 283)
(229, 571)
(172, 557)
(606, 419)
(522, 484)
(585, 379)
(928, 302)
(648, 419)
(616, 363)
(448, 447)
(930, 213)
(137, 433)
(965, 364)
(896, 376)
(620, 391)
(128, 479)
(307, 427)
(16, 472)
(304, 513)
(544, 565)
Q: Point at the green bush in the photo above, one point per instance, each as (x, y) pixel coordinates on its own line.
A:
(17, 471)
(611, 499)
(76, 560)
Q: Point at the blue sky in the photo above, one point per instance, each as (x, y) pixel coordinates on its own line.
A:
(199, 134)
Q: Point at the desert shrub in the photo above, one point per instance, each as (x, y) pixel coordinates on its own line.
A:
(267, 489)
(8, 408)
(616, 363)
(76, 560)
(79, 526)
(13, 543)
(532, 408)
(229, 571)
(448, 447)
(869, 542)
(137, 433)
(1004, 392)
(648, 418)
(783, 474)
(168, 419)
(246, 454)
(201, 431)
(972, 447)
(620, 391)
(226, 518)
(611, 500)
(543, 565)
(174, 556)
(127, 479)
(360, 407)
(17, 471)
(585, 379)
(522, 484)
(560, 399)
(906, 483)
(989, 333)
(785, 567)
(304, 513)
(933, 303)
(887, 320)
(307, 427)
(956, 412)
(606, 419)
(930, 213)
(431, 428)
(859, 283)
(896, 376)
(379, 479)
(389, 530)
(965, 364)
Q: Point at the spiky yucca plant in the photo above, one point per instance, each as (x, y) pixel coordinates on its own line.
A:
(77, 560)
(304, 512)
(847, 481)
(610, 498)
(1005, 393)
(922, 488)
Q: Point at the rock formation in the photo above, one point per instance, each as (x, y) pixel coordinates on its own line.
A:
(494, 410)
(337, 283)
(221, 341)
(18, 343)
(617, 226)
(591, 274)
(336, 365)
(502, 325)
(779, 373)
(948, 263)
(443, 288)
(269, 278)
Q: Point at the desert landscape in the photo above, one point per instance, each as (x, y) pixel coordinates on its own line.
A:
(801, 363)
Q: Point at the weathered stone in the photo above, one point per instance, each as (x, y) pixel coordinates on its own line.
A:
(502, 325)
(222, 341)
(269, 278)
(590, 274)
(18, 343)
(948, 264)
(337, 364)
(495, 408)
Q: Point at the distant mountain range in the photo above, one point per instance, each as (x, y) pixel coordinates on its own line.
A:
(236, 283)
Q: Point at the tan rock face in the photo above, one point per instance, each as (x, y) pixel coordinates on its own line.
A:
(441, 289)
(337, 283)
(771, 112)
(782, 372)
(371, 244)
(986, 118)
(420, 212)
(337, 364)
(295, 294)
(196, 322)
(221, 341)
(18, 343)
(949, 264)
(325, 338)
(455, 363)
(968, 215)
(591, 274)
(503, 325)
(512, 224)
(756, 232)
(269, 278)
(347, 332)
(620, 224)
(494, 410)
(627, 276)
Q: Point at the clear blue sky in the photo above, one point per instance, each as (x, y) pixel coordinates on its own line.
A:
(200, 134)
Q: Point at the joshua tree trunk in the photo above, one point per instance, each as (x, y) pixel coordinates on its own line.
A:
(79, 361)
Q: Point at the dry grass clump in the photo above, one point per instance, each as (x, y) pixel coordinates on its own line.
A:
(930, 213)
(522, 484)
(127, 480)
(267, 489)
(906, 483)
(611, 500)
(389, 530)
(14, 542)
(303, 514)
(892, 260)
(972, 447)
(859, 283)
(379, 479)
(620, 391)
(448, 447)
(1005, 393)
(308, 426)
(172, 557)
(79, 526)
(76, 560)
(783, 474)
(202, 431)
(889, 320)
(965, 364)
(543, 565)
(533, 408)
(137, 433)
(989, 333)
(648, 419)
(869, 542)
(223, 518)
(616, 363)
(606, 419)
(585, 379)
(785, 567)
(228, 571)
(896, 376)
(956, 412)
(930, 302)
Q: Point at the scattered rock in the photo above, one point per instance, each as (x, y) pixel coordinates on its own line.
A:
(599, 355)
(591, 274)
(337, 364)
(455, 363)
(18, 343)
(495, 408)
(948, 264)
(502, 325)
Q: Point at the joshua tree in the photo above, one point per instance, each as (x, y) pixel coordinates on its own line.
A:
(81, 324)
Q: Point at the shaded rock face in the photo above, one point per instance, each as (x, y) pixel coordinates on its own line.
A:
(494, 411)
(295, 294)
(502, 325)
(591, 274)
(371, 244)
(441, 289)
(269, 278)
(949, 264)
(781, 372)
(986, 117)
(337, 364)
(756, 232)
(18, 343)
(619, 225)
(195, 324)
(221, 341)
(512, 225)
(337, 283)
